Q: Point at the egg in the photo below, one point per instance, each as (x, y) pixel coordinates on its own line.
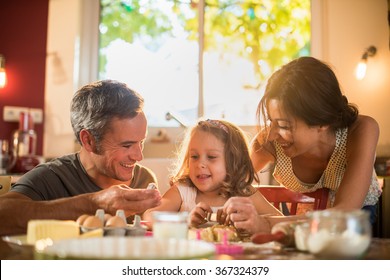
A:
(115, 221)
(107, 217)
(93, 222)
(80, 220)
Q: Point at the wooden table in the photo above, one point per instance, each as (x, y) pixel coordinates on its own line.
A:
(379, 250)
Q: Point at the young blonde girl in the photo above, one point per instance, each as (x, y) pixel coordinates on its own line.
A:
(213, 165)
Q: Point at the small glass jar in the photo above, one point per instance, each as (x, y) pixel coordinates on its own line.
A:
(5, 157)
(170, 224)
(339, 234)
(301, 233)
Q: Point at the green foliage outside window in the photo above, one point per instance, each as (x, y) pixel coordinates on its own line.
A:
(266, 32)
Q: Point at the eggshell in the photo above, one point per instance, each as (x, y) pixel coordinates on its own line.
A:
(115, 221)
(80, 220)
(93, 222)
(107, 217)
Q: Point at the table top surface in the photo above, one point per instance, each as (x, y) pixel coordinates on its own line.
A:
(379, 250)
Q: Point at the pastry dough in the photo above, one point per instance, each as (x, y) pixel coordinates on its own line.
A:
(214, 233)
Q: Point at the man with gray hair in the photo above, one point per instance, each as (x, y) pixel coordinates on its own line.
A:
(109, 123)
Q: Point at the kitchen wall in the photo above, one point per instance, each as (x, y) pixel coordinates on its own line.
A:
(351, 26)
(343, 30)
(23, 37)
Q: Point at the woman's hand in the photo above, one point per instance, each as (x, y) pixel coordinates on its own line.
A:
(198, 215)
(243, 215)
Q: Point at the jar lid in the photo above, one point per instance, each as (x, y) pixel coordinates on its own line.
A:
(167, 216)
(331, 213)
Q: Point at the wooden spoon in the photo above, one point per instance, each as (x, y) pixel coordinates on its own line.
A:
(261, 238)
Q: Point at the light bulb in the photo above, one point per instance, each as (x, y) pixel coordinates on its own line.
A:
(3, 75)
(3, 78)
(361, 70)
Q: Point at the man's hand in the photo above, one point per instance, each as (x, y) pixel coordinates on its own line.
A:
(132, 201)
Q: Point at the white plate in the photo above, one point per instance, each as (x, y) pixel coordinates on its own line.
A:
(17, 240)
(140, 248)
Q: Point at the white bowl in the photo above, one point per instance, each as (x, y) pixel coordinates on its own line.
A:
(134, 248)
(339, 234)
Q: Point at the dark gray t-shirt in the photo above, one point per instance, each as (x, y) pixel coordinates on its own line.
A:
(65, 177)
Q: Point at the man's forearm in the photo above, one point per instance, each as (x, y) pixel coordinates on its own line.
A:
(16, 210)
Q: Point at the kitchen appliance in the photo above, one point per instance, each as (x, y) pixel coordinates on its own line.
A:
(24, 142)
(5, 157)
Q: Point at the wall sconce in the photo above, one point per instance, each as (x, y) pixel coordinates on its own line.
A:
(362, 66)
(3, 74)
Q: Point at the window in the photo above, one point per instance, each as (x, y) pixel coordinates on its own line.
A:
(208, 58)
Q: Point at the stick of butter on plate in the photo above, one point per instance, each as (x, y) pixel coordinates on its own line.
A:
(53, 229)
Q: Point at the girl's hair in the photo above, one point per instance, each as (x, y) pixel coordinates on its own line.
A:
(308, 89)
(240, 173)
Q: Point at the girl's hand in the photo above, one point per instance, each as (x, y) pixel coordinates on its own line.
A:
(243, 215)
(198, 215)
